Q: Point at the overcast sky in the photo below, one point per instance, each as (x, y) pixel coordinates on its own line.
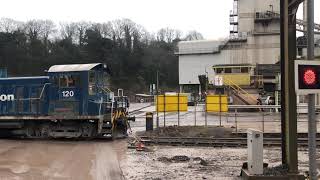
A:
(209, 17)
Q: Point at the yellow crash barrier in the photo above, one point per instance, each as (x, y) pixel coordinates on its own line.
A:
(217, 103)
(172, 103)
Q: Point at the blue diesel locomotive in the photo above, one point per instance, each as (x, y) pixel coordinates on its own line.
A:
(72, 101)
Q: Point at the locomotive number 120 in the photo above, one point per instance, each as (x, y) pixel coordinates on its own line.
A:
(67, 94)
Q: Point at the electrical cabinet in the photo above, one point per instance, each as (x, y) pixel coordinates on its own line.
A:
(255, 151)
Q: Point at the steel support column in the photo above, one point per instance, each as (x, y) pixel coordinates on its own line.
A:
(312, 124)
(288, 95)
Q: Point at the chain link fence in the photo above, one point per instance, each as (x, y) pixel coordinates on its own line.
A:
(266, 118)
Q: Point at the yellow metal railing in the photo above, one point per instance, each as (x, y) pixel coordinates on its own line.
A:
(238, 89)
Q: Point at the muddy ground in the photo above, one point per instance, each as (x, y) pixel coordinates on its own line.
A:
(61, 160)
(112, 160)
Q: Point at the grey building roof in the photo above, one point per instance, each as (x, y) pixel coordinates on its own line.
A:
(199, 47)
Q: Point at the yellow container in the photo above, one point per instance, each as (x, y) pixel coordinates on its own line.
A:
(169, 103)
(217, 103)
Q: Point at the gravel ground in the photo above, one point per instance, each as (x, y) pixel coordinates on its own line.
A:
(196, 163)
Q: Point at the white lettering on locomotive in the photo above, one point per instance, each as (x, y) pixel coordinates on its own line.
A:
(67, 94)
(6, 97)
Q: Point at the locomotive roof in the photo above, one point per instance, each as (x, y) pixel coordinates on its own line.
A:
(25, 78)
(73, 67)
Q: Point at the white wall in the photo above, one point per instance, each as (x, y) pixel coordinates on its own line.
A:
(191, 66)
(316, 51)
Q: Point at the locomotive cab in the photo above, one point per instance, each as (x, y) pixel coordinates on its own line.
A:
(78, 89)
(81, 91)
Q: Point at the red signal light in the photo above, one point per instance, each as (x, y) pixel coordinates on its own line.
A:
(309, 77)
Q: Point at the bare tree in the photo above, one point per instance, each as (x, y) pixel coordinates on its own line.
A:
(81, 28)
(168, 34)
(96, 27)
(48, 28)
(40, 29)
(193, 35)
(124, 31)
(142, 34)
(106, 30)
(9, 25)
(34, 29)
(68, 30)
(116, 30)
(178, 34)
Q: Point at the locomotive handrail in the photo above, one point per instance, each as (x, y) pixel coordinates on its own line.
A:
(41, 94)
(98, 102)
(120, 90)
(105, 90)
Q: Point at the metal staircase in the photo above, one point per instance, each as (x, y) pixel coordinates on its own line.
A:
(240, 93)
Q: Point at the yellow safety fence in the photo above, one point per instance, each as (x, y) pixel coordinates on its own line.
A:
(172, 103)
(217, 103)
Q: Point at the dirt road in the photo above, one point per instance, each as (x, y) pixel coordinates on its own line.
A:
(61, 160)
(112, 160)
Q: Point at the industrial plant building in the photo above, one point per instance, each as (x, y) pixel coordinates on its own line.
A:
(254, 41)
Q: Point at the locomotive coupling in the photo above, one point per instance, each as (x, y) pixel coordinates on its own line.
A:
(133, 118)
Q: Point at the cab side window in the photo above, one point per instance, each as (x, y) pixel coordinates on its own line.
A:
(69, 81)
(92, 82)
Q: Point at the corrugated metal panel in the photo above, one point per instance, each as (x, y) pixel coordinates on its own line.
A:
(199, 47)
(73, 67)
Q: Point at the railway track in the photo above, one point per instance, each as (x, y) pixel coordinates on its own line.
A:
(137, 111)
(215, 142)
